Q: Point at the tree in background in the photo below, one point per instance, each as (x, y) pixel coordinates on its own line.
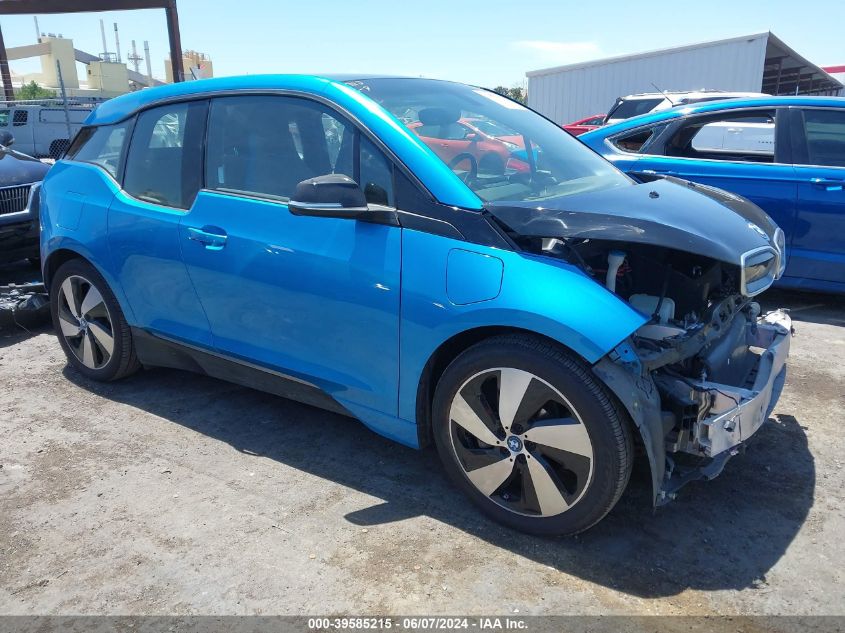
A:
(517, 93)
(33, 91)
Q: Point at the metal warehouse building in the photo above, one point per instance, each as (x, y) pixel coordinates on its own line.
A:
(752, 63)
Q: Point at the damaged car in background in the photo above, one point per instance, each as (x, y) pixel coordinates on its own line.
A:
(534, 319)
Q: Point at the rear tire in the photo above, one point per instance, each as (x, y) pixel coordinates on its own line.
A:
(526, 430)
(89, 323)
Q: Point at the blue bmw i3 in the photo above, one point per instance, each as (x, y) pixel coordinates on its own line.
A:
(433, 259)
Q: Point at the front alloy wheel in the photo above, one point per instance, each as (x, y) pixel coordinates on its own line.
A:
(520, 442)
(530, 434)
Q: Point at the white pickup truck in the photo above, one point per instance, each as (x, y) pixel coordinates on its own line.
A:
(41, 130)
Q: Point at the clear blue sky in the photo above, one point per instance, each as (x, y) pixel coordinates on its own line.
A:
(487, 43)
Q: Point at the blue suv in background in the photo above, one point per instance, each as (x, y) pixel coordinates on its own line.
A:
(531, 317)
(785, 154)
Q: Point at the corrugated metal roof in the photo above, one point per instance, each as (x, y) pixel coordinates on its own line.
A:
(643, 55)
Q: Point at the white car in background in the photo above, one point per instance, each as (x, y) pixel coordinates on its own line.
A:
(753, 135)
(635, 105)
(41, 130)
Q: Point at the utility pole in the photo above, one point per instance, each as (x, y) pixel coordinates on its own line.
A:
(64, 97)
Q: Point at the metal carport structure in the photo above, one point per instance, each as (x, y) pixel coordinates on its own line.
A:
(760, 62)
(38, 7)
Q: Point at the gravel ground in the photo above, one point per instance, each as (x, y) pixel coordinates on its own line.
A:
(171, 493)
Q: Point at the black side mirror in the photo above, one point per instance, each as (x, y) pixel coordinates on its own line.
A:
(6, 138)
(337, 196)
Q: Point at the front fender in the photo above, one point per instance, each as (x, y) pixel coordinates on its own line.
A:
(444, 295)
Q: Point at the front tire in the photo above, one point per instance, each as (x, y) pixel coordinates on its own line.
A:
(531, 436)
(89, 323)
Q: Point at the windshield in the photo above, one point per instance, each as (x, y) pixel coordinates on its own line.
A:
(484, 138)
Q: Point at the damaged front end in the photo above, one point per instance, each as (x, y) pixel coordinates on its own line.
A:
(697, 396)
(702, 375)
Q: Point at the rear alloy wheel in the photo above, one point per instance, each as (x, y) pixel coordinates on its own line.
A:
(85, 322)
(91, 328)
(527, 431)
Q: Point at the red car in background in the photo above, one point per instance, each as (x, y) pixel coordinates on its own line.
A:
(585, 125)
(462, 141)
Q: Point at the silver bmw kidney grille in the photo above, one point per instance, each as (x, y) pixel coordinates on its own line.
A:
(14, 199)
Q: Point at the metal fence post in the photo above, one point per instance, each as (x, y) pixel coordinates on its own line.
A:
(64, 98)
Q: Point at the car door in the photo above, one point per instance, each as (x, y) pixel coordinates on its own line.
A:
(162, 175)
(818, 243)
(316, 299)
(758, 167)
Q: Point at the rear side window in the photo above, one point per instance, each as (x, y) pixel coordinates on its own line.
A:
(633, 141)
(625, 109)
(163, 165)
(732, 136)
(101, 146)
(20, 118)
(825, 134)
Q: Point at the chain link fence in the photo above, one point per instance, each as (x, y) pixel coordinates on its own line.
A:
(44, 128)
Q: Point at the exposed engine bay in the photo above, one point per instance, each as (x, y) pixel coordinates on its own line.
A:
(714, 362)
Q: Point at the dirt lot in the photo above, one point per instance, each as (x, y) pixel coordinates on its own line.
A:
(174, 493)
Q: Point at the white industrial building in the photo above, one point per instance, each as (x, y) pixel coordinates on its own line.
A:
(751, 63)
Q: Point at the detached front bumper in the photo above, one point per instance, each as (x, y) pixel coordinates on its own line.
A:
(737, 413)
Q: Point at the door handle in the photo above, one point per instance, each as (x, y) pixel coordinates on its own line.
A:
(828, 184)
(212, 237)
(654, 172)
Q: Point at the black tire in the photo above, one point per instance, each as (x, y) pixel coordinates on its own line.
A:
(589, 480)
(103, 318)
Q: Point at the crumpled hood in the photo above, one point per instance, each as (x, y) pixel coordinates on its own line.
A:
(667, 212)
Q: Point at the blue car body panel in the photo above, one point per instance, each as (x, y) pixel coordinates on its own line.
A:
(356, 309)
(310, 296)
(537, 294)
(811, 214)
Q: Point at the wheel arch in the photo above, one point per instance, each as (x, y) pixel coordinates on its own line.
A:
(66, 252)
(55, 259)
(452, 347)
(448, 351)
